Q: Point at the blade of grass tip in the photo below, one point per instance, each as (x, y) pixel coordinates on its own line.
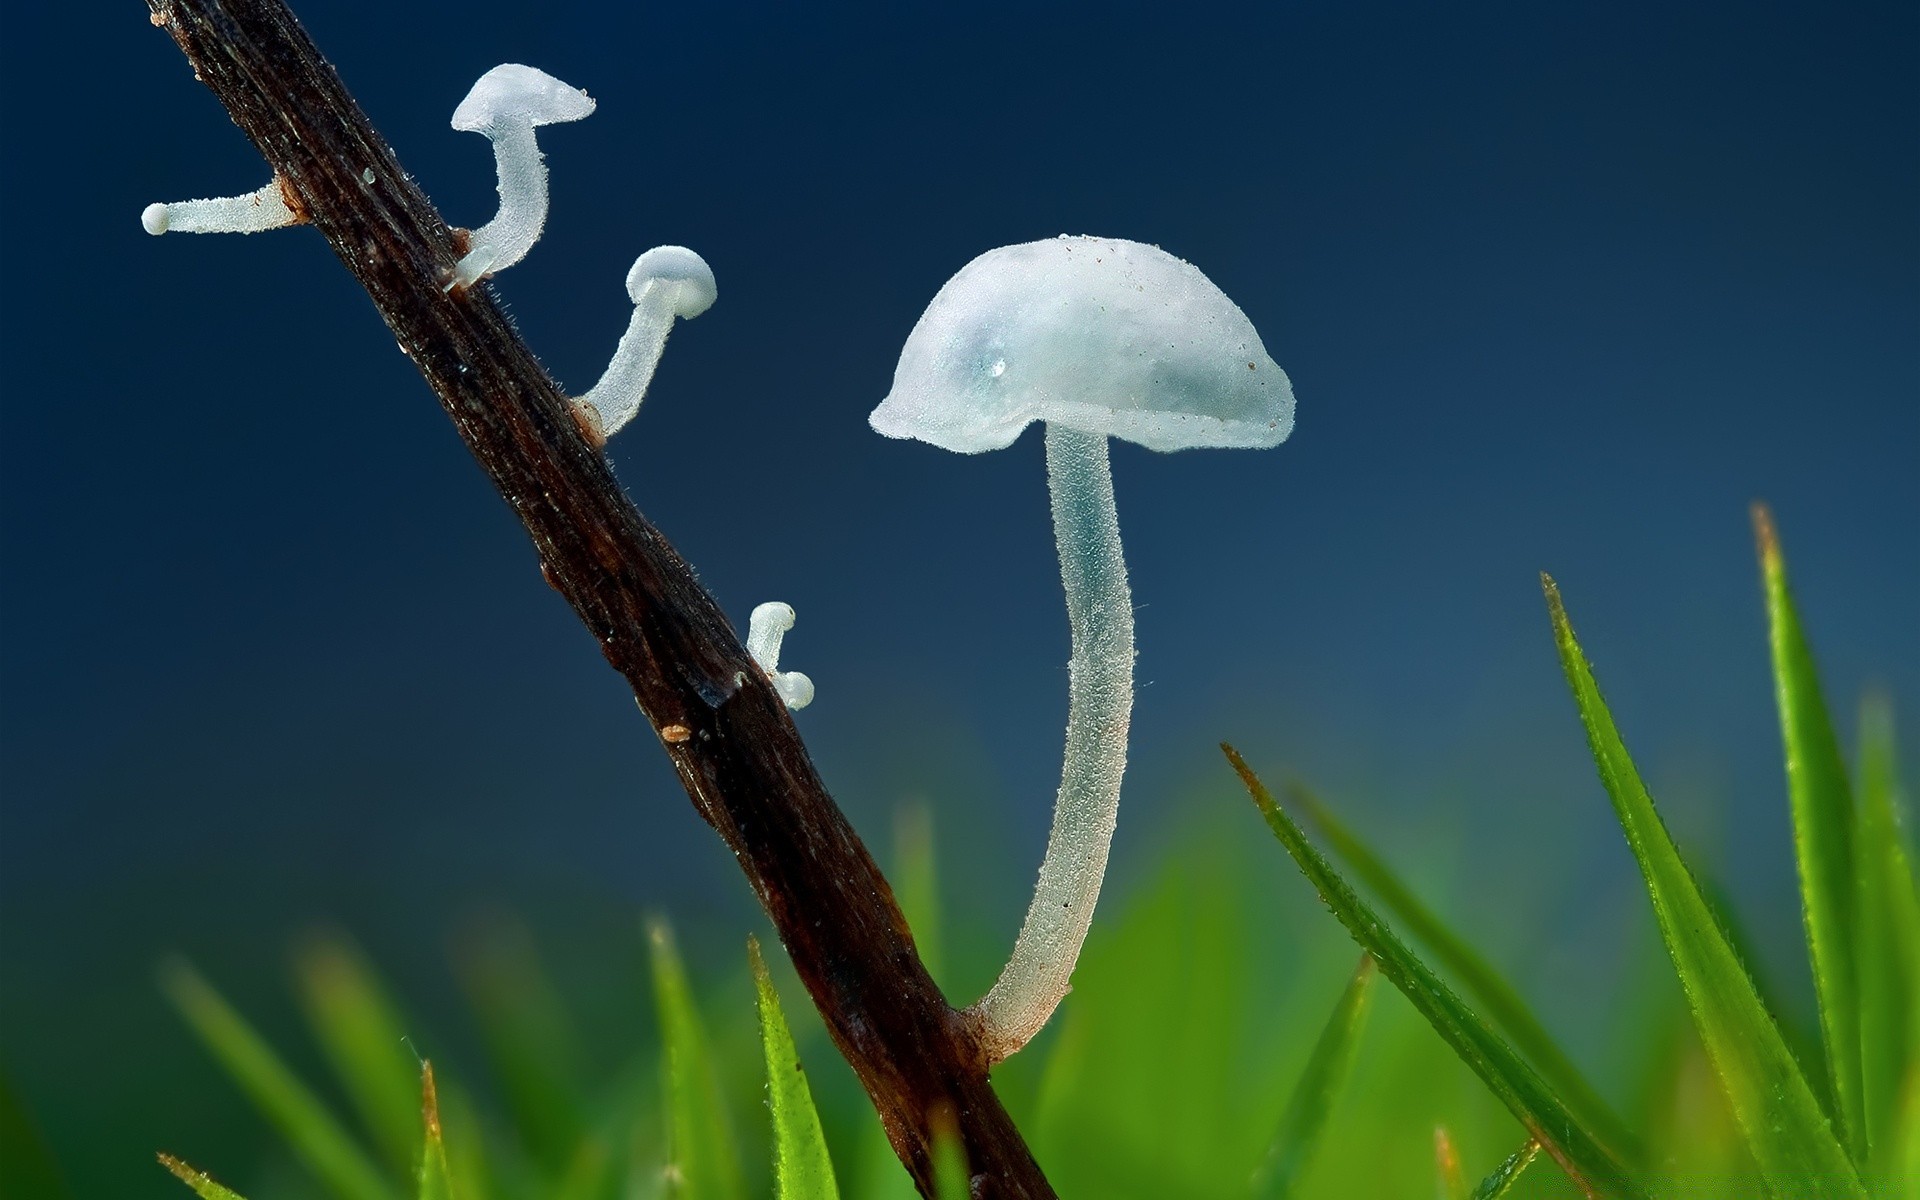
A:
(436, 1180)
(704, 1153)
(875, 1171)
(952, 1178)
(1446, 1161)
(360, 1032)
(802, 1168)
(530, 1040)
(1782, 1121)
(202, 1184)
(1581, 1154)
(917, 881)
(1329, 1065)
(1822, 835)
(316, 1136)
(1502, 1004)
(1507, 1173)
(1887, 932)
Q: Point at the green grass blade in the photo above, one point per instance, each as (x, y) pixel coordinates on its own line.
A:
(1784, 1124)
(703, 1149)
(1887, 936)
(1321, 1082)
(203, 1184)
(1476, 976)
(1544, 1115)
(315, 1135)
(952, 1178)
(1822, 836)
(530, 1041)
(802, 1168)
(917, 882)
(875, 1171)
(1507, 1173)
(361, 1034)
(435, 1178)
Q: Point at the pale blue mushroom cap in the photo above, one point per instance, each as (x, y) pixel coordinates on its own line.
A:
(1099, 334)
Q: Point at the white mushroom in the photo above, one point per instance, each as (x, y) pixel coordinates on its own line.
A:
(252, 213)
(766, 628)
(665, 282)
(1098, 338)
(507, 104)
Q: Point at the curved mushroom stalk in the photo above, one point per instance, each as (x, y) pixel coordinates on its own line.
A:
(506, 105)
(1100, 705)
(1098, 338)
(255, 212)
(665, 282)
(766, 629)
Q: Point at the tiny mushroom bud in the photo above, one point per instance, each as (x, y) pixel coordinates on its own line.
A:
(766, 628)
(506, 105)
(665, 282)
(1097, 338)
(259, 210)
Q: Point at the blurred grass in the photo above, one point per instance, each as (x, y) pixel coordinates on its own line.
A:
(1197, 1056)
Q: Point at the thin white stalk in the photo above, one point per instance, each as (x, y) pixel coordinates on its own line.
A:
(522, 173)
(1100, 692)
(616, 397)
(666, 282)
(255, 212)
(766, 629)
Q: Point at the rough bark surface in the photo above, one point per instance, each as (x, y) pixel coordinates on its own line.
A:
(729, 736)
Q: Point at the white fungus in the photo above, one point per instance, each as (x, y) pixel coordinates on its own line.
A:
(252, 213)
(506, 105)
(665, 282)
(1098, 338)
(766, 629)
(1109, 336)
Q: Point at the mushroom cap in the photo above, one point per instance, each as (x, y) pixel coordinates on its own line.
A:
(1099, 334)
(518, 94)
(686, 276)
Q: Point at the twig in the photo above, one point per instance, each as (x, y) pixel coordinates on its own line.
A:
(728, 734)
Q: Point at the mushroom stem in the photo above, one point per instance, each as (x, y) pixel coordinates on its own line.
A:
(1100, 691)
(616, 398)
(522, 172)
(263, 209)
(666, 282)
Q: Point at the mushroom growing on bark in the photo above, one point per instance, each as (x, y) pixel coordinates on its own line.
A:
(664, 283)
(1098, 338)
(259, 210)
(507, 104)
(766, 629)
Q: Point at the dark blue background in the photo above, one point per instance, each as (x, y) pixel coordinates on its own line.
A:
(1559, 287)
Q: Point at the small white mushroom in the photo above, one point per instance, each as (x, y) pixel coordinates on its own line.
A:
(506, 105)
(1098, 338)
(256, 211)
(665, 282)
(766, 628)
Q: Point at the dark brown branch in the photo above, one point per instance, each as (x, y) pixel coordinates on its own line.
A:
(729, 736)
